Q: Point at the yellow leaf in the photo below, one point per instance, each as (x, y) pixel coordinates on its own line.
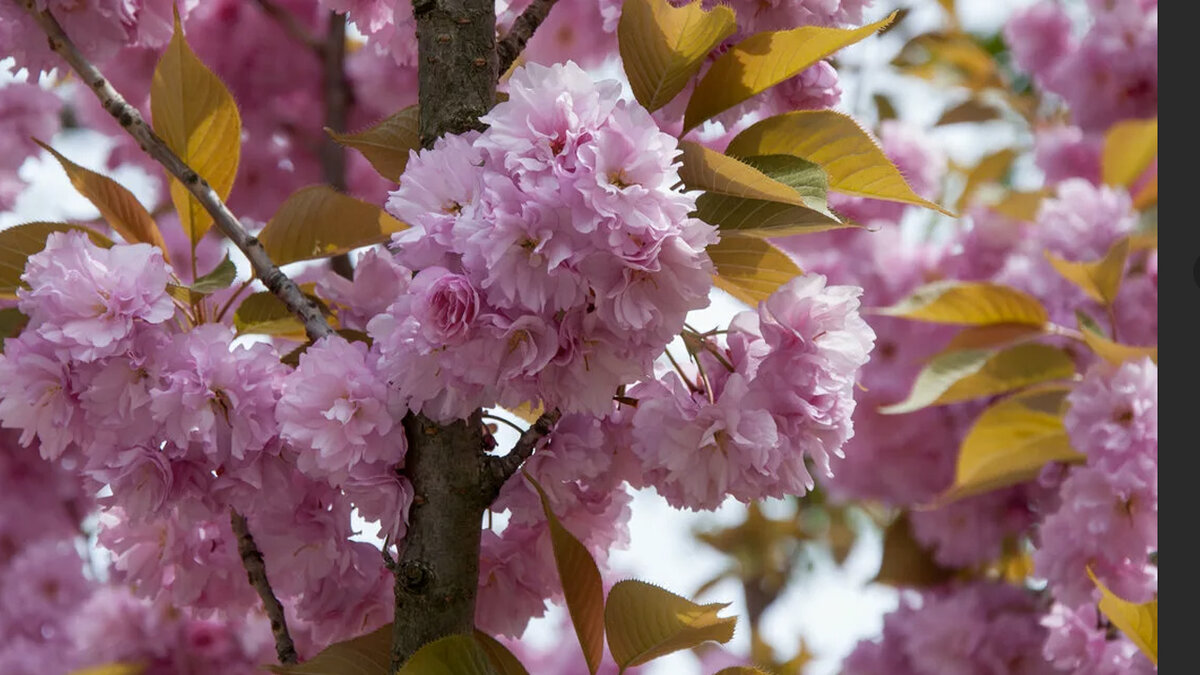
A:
(991, 169)
(369, 654)
(1114, 352)
(1129, 147)
(741, 670)
(905, 562)
(1101, 280)
(19, 242)
(1021, 206)
(527, 412)
(1139, 623)
(645, 622)
(763, 60)
(112, 669)
(749, 268)
(951, 56)
(769, 196)
(582, 586)
(196, 117)
(266, 314)
(972, 303)
(970, 110)
(967, 374)
(662, 47)
(387, 143)
(502, 660)
(451, 655)
(992, 335)
(123, 212)
(835, 142)
(319, 222)
(1011, 442)
(1148, 195)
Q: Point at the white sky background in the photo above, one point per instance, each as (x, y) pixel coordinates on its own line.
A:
(832, 608)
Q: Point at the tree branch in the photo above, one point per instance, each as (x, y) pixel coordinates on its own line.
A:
(337, 98)
(128, 116)
(256, 571)
(497, 470)
(522, 30)
(287, 21)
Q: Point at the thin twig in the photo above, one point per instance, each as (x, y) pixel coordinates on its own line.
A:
(501, 419)
(229, 303)
(510, 47)
(500, 469)
(290, 25)
(128, 116)
(336, 93)
(256, 571)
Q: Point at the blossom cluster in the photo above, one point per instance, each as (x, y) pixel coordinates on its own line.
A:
(554, 258)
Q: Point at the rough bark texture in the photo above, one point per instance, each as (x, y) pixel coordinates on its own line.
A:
(513, 43)
(256, 572)
(456, 42)
(336, 90)
(437, 574)
(128, 116)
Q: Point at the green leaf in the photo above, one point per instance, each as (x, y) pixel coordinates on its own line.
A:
(120, 209)
(195, 115)
(387, 143)
(905, 562)
(662, 47)
(975, 373)
(1100, 279)
(644, 622)
(750, 269)
(1139, 623)
(369, 654)
(767, 196)
(319, 222)
(1129, 148)
(1011, 442)
(451, 655)
(264, 313)
(1113, 352)
(221, 277)
(763, 60)
(19, 242)
(581, 582)
(972, 303)
(12, 322)
(849, 155)
(502, 660)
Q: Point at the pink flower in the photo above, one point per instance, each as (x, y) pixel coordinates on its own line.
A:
(39, 394)
(1040, 37)
(1113, 419)
(88, 300)
(378, 281)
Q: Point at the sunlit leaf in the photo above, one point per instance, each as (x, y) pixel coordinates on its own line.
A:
(503, 661)
(1011, 442)
(851, 158)
(451, 655)
(970, 303)
(1148, 195)
(975, 373)
(1139, 622)
(319, 222)
(662, 47)
(120, 209)
(1129, 148)
(1114, 352)
(970, 110)
(749, 268)
(949, 57)
(992, 335)
(19, 242)
(763, 60)
(1021, 206)
(644, 622)
(990, 169)
(581, 582)
(1101, 279)
(195, 115)
(387, 143)
(369, 654)
(905, 562)
(771, 196)
(112, 669)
